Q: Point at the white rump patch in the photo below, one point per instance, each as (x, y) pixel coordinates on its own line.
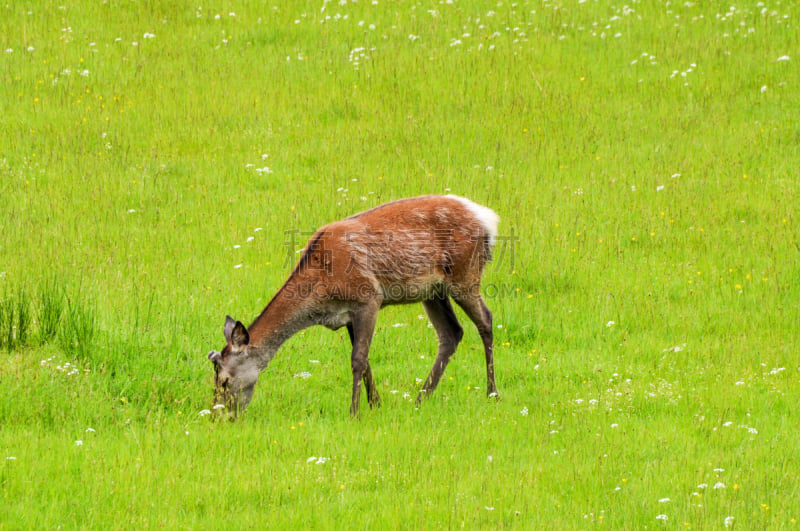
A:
(486, 216)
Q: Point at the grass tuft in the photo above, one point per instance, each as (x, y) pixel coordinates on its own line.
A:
(7, 322)
(15, 319)
(51, 308)
(77, 332)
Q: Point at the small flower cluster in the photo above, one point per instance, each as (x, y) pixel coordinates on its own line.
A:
(67, 368)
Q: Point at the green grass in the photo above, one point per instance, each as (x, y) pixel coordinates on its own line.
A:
(161, 163)
(51, 308)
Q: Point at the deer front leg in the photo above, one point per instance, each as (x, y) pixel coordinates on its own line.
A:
(373, 398)
(362, 326)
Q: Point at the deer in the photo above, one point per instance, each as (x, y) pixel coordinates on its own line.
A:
(428, 249)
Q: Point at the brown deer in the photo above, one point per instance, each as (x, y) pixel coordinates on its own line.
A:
(426, 249)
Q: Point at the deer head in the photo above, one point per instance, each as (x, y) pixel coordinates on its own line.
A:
(236, 371)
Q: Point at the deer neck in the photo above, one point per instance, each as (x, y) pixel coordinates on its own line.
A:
(283, 317)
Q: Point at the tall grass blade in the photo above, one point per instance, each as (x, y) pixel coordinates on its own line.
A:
(2, 322)
(23, 318)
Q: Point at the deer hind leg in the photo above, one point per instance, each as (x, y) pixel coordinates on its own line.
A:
(361, 330)
(473, 305)
(443, 318)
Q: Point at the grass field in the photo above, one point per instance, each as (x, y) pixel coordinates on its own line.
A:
(162, 162)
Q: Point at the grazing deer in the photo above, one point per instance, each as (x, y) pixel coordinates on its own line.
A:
(426, 249)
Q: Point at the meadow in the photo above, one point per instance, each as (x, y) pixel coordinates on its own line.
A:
(162, 164)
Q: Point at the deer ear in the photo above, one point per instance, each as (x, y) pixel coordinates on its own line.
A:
(230, 323)
(235, 332)
(239, 336)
